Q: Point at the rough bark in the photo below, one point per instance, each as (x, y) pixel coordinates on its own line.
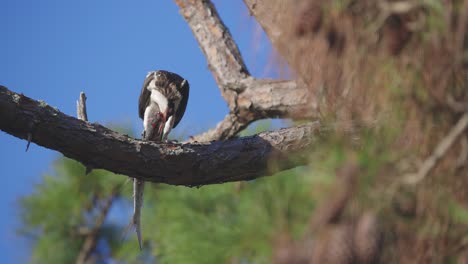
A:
(262, 99)
(249, 99)
(173, 163)
(215, 40)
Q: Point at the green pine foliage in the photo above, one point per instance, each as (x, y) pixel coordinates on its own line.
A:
(60, 207)
(219, 223)
(210, 224)
(399, 106)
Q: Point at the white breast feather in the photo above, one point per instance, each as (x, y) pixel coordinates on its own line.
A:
(147, 116)
(157, 97)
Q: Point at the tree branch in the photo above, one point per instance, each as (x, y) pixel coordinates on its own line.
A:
(225, 129)
(179, 164)
(249, 99)
(215, 40)
(265, 98)
(262, 99)
(81, 112)
(439, 151)
(90, 242)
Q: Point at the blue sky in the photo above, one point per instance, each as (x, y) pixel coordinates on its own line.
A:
(53, 49)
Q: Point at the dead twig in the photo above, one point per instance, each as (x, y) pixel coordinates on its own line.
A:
(439, 152)
(90, 241)
(82, 114)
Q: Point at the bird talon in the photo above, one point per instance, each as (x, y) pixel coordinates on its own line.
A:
(29, 141)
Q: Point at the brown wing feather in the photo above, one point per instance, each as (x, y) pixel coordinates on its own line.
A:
(184, 90)
(166, 81)
(145, 96)
(169, 80)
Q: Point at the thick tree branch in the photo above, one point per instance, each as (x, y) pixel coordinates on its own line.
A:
(215, 40)
(179, 164)
(249, 99)
(262, 99)
(225, 129)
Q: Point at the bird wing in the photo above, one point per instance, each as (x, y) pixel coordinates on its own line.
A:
(165, 81)
(145, 96)
(183, 88)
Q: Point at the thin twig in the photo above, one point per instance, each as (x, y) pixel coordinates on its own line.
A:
(83, 115)
(90, 241)
(439, 151)
(81, 112)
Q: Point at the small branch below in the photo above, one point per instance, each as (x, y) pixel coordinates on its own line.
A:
(90, 242)
(439, 151)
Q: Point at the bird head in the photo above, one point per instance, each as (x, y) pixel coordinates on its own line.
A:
(166, 94)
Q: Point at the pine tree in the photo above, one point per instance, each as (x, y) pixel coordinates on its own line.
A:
(234, 222)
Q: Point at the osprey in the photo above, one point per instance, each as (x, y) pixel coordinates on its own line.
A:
(161, 105)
